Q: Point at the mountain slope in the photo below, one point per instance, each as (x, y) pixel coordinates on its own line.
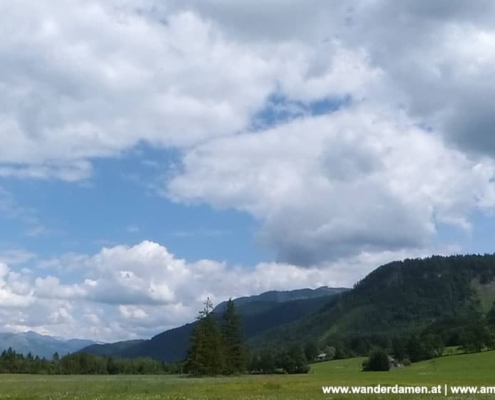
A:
(258, 314)
(251, 305)
(397, 298)
(40, 345)
(112, 349)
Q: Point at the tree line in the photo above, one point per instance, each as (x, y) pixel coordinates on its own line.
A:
(12, 362)
(469, 335)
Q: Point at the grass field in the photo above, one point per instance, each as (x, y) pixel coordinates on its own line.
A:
(472, 370)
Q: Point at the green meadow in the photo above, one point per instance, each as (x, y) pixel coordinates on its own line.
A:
(472, 370)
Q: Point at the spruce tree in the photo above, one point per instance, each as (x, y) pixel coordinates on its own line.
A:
(235, 354)
(206, 352)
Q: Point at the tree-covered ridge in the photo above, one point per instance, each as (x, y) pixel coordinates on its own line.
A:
(252, 305)
(397, 299)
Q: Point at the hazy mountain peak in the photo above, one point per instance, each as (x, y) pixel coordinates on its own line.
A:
(40, 345)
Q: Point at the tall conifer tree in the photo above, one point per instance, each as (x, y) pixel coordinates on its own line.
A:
(235, 354)
(206, 352)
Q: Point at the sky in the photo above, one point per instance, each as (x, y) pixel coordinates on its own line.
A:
(155, 153)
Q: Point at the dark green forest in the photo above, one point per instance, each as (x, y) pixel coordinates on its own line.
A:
(12, 362)
(447, 297)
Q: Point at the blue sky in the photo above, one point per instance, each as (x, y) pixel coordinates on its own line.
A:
(119, 206)
(155, 153)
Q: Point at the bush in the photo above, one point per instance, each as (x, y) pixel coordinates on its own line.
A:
(378, 361)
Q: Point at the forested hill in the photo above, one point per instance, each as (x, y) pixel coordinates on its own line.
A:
(258, 314)
(397, 299)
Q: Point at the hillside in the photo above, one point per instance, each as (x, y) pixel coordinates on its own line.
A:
(40, 345)
(251, 305)
(112, 349)
(396, 299)
(258, 314)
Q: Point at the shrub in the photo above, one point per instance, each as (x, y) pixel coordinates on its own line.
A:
(378, 361)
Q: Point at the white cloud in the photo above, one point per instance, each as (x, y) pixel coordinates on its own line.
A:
(83, 80)
(335, 185)
(432, 58)
(129, 292)
(14, 292)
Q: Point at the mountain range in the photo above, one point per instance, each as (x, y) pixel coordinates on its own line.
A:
(437, 295)
(40, 345)
(258, 314)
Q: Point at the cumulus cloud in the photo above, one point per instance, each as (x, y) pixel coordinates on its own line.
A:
(434, 59)
(148, 275)
(85, 80)
(131, 292)
(14, 292)
(382, 174)
(335, 185)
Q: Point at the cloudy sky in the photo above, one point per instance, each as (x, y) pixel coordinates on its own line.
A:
(156, 152)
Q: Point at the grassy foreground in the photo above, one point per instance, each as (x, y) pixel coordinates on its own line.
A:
(473, 370)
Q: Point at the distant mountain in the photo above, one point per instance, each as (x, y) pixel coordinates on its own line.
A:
(258, 314)
(40, 345)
